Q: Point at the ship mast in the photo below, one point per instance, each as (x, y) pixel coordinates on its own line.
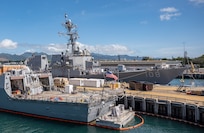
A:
(72, 33)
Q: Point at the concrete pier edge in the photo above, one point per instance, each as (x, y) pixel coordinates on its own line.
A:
(177, 111)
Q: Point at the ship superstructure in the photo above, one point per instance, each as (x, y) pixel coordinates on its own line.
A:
(71, 63)
(77, 63)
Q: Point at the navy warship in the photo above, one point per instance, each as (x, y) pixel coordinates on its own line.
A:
(77, 63)
(26, 92)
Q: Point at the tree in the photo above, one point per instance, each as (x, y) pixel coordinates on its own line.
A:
(199, 60)
(146, 58)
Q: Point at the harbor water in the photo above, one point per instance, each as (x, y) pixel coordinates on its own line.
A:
(10, 123)
(190, 82)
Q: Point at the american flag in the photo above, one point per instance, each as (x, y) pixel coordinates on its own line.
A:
(111, 75)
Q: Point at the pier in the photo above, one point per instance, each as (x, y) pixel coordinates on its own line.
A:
(165, 102)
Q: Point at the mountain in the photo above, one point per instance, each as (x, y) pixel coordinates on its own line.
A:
(15, 57)
(22, 57)
(115, 57)
(11, 57)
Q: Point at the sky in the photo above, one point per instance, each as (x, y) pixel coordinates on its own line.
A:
(153, 28)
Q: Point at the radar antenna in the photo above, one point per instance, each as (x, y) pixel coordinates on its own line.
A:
(72, 33)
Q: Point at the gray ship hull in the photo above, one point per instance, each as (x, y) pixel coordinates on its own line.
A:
(54, 110)
(73, 112)
(158, 76)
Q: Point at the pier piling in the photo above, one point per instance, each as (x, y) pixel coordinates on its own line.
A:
(201, 115)
(139, 104)
(191, 112)
(150, 105)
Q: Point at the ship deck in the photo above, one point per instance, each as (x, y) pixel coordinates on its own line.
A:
(107, 120)
(76, 97)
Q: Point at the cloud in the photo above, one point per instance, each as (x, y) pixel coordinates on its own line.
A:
(168, 13)
(197, 1)
(168, 16)
(55, 48)
(8, 44)
(30, 50)
(111, 49)
(168, 9)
